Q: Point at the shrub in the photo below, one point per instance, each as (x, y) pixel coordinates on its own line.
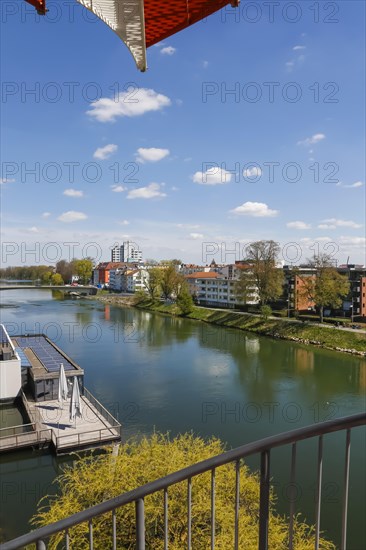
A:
(95, 479)
(266, 311)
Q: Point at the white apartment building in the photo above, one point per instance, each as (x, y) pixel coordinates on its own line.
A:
(127, 252)
(125, 279)
(217, 289)
(136, 280)
(116, 279)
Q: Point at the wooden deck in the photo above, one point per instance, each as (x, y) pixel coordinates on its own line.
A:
(52, 426)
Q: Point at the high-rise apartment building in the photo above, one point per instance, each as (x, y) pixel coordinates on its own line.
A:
(127, 252)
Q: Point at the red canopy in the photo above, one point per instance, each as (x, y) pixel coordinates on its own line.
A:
(162, 19)
(142, 23)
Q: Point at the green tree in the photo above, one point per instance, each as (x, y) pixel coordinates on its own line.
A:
(171, 262)
(84, 269)
(266, 311)
(92, 480)
(168, 281)
(56, 279)
(261, 276)
(32, 272)
(66, 269)
(46, 277)
(185, 300)
(153, 282)
(327, 287)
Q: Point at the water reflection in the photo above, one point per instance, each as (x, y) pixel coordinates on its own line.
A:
(155, 371)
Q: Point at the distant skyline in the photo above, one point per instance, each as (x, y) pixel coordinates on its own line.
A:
(246, 126)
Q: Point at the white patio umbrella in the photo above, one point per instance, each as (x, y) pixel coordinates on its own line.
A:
(62, 386)
(75, 401)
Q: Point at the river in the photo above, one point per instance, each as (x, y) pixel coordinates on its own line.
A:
(158, 372)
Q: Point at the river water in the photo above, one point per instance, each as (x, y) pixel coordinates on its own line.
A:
(159, 373)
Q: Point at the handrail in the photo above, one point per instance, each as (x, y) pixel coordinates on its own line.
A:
(20, 426)
(97, 430)
(32, 417)
(137, 495)
(104, 412)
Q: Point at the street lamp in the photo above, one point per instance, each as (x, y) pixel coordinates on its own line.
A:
(351, 308)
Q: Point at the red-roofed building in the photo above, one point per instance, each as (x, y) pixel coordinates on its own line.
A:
(102, 271)
(214, 289)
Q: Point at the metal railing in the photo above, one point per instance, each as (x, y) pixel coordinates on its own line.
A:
(262, 447)
(99, 435)
(39, 438)
(101, 409)
(34, 416)
(15, 430)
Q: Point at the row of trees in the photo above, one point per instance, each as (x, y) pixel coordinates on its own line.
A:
(24, 273)
(81, 268)
(166, 281)
(261, 276)
(62, 273)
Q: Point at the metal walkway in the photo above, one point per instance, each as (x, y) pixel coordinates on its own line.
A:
(50, 426)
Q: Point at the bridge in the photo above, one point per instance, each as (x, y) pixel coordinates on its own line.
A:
(67, 288)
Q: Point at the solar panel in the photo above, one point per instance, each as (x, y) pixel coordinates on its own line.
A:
(46, 353)
(24, 361)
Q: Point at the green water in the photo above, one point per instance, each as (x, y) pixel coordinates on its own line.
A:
(157, 372)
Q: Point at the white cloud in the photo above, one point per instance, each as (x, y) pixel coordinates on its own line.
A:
(316, 138)
(152, 154)
(124, 222)
(333, 223)
(353, 241)
(151, 191)
(290, 65)
(298, 225)
(72, 216)
(352, 185)
(296, 48)
(212, 176)
(255, 209)
(307, 240)
(253, 172)
(73, 193)
(7, 180)
(33, 229)
(196, 236)
(205, 64)
(187, 226)
(46, 214)
(118, 188)
(134, 102)
(105, 152)
(168, 50)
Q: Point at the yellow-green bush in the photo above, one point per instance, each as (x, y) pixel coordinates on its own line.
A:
(95, 479)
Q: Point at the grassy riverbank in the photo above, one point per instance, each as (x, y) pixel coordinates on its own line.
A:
(297, 331)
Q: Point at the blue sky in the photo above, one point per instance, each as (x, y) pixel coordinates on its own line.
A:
(243, 128)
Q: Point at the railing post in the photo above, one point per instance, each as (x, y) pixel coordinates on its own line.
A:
(264, 501)
(319, 492)
(140, 524)
(40, 545)
(345, 491)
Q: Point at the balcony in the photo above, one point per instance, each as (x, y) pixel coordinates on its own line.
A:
(261, 448)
